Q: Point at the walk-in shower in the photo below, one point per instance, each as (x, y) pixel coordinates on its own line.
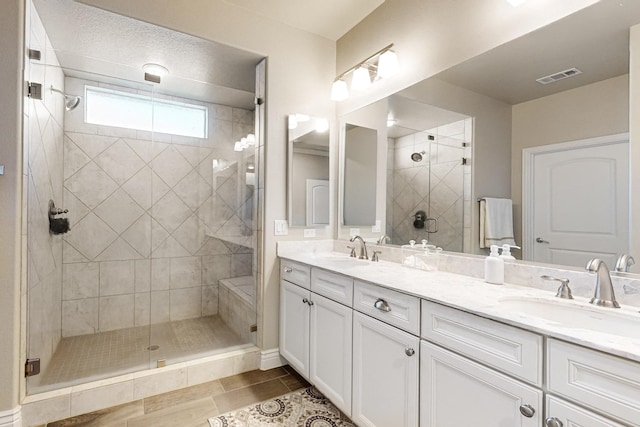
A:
(159, 263)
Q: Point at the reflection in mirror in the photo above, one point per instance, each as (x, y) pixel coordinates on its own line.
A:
(425, 173)
(360, 175)
(308, 171)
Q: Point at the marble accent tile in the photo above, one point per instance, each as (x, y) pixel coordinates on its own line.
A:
(171, 166)
(77, 209)
(142, 279)
(143, 147)
(149, 384)
(74, 158)
(91, 185)
(170, 248)
(138, 235)
(120, 161)
(191, 234)
(185, 303)
(102, 397)
(160, 306)
(117, 277)
(170, 211)
(116, 312)
(117, 251)
(160, 274)
(80, 280)
(193, 190)
(186, 272)
(139, 187)
(42, 411)
(119, 211)
(92, 145)
(79, 317)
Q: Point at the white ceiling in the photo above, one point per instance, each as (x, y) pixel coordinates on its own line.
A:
(91, 42)
(594, 40)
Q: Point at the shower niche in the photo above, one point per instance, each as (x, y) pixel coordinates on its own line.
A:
(158, 263)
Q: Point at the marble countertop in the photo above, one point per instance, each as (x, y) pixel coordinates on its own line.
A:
(496, 302)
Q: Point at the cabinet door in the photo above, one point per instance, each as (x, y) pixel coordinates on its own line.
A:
(330, 358)
(455, 392)
(385, 374)
(294, 326)
(563, 414)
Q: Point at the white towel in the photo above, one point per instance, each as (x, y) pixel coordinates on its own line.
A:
(496, 222)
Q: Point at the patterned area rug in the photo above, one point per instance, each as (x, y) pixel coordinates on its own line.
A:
(305, 408)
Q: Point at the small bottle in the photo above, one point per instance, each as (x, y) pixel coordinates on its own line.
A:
(494, 267)
(506, 252)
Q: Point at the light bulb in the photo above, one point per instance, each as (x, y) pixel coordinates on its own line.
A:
(322, 125)
(388, 65)
(361, 79)
(237, 147)
(339, 91)
(293, 121)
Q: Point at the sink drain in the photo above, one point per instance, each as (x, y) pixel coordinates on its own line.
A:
(153, 347)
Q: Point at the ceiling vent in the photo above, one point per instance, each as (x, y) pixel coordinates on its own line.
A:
(559, 76)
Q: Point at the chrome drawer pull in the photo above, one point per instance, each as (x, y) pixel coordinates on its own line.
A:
(382, 305)
(409, 352)
(553, 422)
(288, 269)
(527, 410)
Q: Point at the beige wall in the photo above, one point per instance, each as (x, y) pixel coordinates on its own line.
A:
(11, 54)
(589, 111)
(634, 135)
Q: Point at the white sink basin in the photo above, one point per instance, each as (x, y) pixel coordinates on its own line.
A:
(577, 315)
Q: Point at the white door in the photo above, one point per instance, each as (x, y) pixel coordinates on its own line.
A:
(385, 374)
(456, 392)
(294, 326)
(580, 202)
(317, 202)
(331, 344)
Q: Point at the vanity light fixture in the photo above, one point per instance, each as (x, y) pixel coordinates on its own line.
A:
(322, 125)
(244, 142)
(391, 122)
(382, 64)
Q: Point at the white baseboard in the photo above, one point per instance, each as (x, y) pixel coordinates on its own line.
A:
(270, 359)
(11, 418)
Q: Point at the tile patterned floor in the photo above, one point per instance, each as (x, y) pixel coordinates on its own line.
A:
(89, 357)
(193, 406)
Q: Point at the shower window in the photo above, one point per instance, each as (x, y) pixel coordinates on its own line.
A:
(127, 110)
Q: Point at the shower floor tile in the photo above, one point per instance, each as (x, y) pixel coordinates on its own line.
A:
(90, 357)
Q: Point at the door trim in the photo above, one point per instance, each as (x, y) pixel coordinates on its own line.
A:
(528, 161)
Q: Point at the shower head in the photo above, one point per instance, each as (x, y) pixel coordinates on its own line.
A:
(70, 101)
(417, 157)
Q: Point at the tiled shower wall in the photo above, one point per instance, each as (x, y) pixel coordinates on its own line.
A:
(43, 154)
(154, 225)
(439, 185)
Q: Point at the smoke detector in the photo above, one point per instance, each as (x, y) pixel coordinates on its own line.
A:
(571, 72)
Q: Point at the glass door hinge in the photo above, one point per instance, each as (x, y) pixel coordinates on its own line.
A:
(32, 367)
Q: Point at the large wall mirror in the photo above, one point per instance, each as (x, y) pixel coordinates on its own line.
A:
(308, 171)
(466, 129)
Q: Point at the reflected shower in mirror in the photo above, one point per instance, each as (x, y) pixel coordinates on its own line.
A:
(308, 171)
(360, 175)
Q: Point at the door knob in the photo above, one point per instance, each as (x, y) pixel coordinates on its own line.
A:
(541, 240)
(527, 410)
(553, 422)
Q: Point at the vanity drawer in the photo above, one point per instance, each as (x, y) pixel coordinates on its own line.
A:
(295, 272)
(571, 415)
(606, 383)
(394, 308)
(505, 348)
(332, 285)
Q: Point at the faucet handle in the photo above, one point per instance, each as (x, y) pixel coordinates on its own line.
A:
(375, 257)
(353, 251)
(564, 291)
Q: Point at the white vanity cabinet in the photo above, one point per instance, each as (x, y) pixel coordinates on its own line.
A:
(316, 331)
(458, 391)
(385, 358)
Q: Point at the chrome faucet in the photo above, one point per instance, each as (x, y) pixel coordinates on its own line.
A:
(603, 295)
(624, 262)
(383, 239)
(363, 247)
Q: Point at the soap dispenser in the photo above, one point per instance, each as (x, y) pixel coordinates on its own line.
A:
(506, 252)
(494, 267)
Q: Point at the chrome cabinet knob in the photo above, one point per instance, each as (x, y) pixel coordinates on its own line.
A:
(527, 410)
(409, 352)
(382, 305)
(553, 422)
(288, 269)
(307, 301)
